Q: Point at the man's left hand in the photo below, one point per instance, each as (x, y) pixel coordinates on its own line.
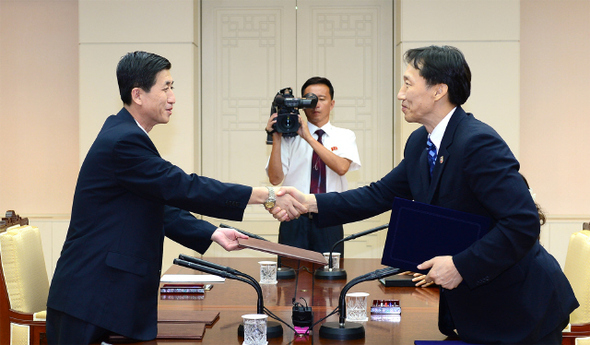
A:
(290, 204)
(303, 130)
(442, 272)
(227, 238)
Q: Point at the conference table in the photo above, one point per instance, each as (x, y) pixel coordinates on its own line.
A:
(233, 298)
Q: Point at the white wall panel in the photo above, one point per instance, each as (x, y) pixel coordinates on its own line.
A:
(351, 44)
(488, 33)
(252, 49)
(460, 20)
(138, 21)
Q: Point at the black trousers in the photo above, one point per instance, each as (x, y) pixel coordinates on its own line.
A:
(555, 337)
(303, 233)
(64, 329)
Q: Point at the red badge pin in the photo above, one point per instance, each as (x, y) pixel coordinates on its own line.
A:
(334, 148)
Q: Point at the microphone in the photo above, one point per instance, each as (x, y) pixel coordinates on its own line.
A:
(282, 272)
(215, 266)
(249, 234)
(342, 330)
(199, 265)
(331, 273)
(273, 328)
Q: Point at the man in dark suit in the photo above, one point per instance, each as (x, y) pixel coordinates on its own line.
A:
(505, 288)
(127, 199)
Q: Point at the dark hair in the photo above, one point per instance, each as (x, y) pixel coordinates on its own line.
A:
(139, 69)
(542, 217)
(443, 65)
(318, 80)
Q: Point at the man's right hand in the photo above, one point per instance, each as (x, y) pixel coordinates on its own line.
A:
(271, 121)
(307, 200)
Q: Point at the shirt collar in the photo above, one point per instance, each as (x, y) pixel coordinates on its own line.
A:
(439, 131)
(143, 129)
(326, 128)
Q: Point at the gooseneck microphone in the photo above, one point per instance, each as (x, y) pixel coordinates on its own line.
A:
(343, 330)
(282, 272)
(331, 273)
(249, 234)
(273, 329)
(209, 267)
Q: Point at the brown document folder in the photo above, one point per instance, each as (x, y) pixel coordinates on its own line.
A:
(170, 330)
(208, 317)
(283, 250)
(181, 330)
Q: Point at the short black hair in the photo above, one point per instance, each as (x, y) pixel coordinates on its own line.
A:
(443, 65)
(139, 69)
(318, 80)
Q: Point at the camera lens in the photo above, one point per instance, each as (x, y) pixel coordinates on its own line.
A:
(289, 123)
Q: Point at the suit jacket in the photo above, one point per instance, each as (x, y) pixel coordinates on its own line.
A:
(513, 291)
(127, 199)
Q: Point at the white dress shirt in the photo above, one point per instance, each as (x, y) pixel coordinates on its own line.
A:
(296, 156)
(439, 131)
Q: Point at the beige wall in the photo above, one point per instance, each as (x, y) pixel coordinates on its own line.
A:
(39, 103)
(107, 32)
(555, 105)
(490, 46)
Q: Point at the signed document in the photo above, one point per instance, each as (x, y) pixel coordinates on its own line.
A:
(283, 250)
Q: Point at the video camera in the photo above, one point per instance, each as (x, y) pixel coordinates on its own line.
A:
(287, 107)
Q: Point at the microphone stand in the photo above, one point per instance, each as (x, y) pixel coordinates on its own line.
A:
(273, 328)
(282, 272)
(342, 330)
(331, 273)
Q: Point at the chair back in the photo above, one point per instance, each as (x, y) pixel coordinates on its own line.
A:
(583, 341)
(577, 270)
(24, 269)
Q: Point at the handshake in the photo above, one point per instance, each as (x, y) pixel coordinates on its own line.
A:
(291, 203)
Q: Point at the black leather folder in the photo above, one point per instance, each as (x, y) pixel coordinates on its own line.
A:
(418, 232)
(398, 280)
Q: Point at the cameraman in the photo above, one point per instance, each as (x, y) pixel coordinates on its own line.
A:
(313, 163)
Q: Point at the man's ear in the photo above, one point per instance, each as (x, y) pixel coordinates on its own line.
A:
(441, 90)
(136, 95)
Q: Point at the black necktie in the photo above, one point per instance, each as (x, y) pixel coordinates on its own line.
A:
(318, 170)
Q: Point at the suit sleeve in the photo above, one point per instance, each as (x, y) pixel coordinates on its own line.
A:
(140, 169)
(491, 172)
(373, 199)
(184, 228)
(364, 202)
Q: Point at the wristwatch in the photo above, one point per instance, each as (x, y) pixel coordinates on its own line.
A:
(271, 201)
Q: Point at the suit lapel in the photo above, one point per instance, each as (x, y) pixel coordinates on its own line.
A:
(444, 152)
(125, 116)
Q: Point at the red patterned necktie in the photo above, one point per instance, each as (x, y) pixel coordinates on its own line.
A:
(318, 170)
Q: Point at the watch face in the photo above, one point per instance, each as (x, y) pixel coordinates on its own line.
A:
(269, 204)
